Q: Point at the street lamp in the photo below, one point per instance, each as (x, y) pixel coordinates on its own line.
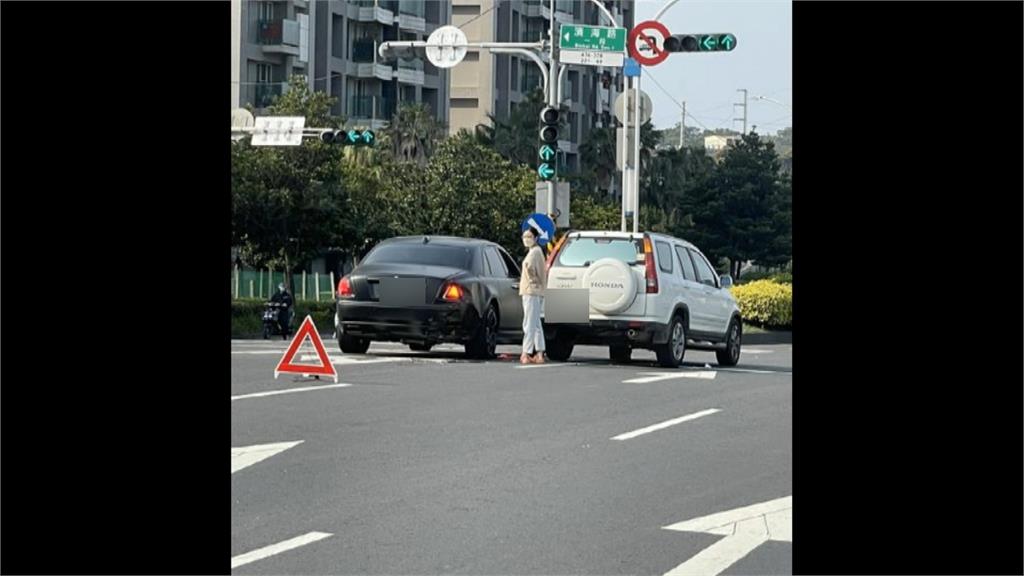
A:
(772, 100)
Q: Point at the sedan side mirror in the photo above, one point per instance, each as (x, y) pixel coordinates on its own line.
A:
(726, 281)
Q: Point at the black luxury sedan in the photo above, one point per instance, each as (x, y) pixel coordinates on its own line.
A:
(424, 290)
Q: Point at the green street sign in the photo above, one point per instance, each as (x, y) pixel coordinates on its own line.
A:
(545, 171)
(546, 152)
(594, 38)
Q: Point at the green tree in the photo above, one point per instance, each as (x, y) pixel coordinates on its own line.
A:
(744, 211)
(467, 189)
(289, 202)
(517, 137)
(413, 134)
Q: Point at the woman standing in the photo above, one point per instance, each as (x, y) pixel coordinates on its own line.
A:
(531, 287)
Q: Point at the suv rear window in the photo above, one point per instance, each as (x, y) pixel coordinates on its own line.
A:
(586, 251)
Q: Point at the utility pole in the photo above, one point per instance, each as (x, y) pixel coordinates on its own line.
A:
(682, 126)
(744, 105)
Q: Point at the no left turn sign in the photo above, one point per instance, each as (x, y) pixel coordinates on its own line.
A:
(646, 42)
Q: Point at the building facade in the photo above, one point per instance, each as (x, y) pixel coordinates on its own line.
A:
(334, 45)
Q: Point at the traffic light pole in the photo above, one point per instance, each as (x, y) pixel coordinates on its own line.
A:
(552, 101)
(636, 155)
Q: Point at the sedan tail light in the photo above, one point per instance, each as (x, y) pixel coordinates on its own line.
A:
(452, 292)
(345, 288)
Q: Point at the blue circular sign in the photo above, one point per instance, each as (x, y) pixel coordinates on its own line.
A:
(543, 223)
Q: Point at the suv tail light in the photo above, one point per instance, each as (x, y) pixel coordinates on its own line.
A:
(649, 272)
(452, 292)
(345, 288)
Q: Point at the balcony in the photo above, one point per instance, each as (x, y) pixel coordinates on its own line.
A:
(370, 70)
(560, 17)
(279, 36)
(410, 71)
(373, 111)
(411, 15)
(263, 95)
(370, 11)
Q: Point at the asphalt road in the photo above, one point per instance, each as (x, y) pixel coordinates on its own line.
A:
(427, 463)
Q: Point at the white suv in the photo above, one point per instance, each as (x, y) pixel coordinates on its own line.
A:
(646, 291)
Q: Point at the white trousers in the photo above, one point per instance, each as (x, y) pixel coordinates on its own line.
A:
(533, 332)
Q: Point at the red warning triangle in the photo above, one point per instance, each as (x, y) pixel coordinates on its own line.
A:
(307, 330)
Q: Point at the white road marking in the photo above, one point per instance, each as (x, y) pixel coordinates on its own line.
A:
(348, 360)
(246, 456)
(666, 424)
(716, 558)
(756, 351)
(549, 365)
(656, 376)
(266, 551)
(744, 529)
(288, 391)
(749, 371)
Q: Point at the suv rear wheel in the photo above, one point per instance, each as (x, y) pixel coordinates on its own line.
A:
(670, 354)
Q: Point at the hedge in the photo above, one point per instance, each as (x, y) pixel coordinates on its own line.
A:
(765, 303)
(247, 316)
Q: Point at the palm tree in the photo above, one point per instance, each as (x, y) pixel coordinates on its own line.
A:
(413, 133)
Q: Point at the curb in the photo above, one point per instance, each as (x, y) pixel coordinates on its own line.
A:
(764, 338)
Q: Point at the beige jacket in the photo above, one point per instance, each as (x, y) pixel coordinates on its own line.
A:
(535, 274)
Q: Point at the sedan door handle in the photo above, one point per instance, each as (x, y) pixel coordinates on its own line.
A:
(515, 285)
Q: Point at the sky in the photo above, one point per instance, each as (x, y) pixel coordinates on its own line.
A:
(708, 82)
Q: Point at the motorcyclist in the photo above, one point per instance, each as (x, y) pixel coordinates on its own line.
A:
(285, 315)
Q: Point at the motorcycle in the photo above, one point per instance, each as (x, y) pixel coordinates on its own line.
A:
(272, 325)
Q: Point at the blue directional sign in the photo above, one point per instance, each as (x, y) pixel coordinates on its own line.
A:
(631, 68)
(545, 171)
(542, 223)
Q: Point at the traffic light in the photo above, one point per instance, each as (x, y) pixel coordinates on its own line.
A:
(349, 137)
(700, 43)
(549, 131)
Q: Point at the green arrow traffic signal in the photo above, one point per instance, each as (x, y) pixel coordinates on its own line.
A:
(545, 171)
(368, 137)
(700, 43)
(546, 152)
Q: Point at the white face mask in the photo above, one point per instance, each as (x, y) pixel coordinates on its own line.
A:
(529, 241)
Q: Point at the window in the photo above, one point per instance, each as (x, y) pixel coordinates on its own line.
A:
(510, 264)
(263, 72)
(686, 264)
(586, 251)
(422, 254)
(494, 263)
(664, 256)
(704, 273)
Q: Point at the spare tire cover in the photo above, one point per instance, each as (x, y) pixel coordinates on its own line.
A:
(611, 284)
